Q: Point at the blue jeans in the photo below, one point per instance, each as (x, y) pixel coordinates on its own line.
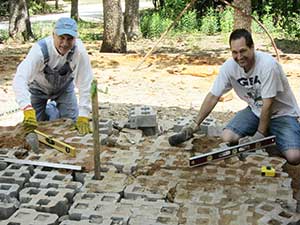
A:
(62, 105)
(285, 128)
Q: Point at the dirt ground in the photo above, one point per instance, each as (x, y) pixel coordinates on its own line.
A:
(174, 80)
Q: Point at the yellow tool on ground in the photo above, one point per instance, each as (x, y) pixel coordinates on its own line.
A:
(268, 171)
(55, 143)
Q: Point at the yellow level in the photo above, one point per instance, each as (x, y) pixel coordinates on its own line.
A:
(55, 143)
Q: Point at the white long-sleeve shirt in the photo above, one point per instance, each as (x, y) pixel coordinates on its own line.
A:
(33, 65)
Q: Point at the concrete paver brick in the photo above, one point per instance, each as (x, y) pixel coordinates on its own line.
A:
(12, 152)
(8, 206)
(129, 137)
(158, 211)
(194, 213)
(50, 200)
(98, 197)
(16, 174)
(142, 116)
(25, 216)
(182, 122)
(47, 179)
(272, 213)
(9, 190)
(111, 182)
(135, 191)
(86, 140)
(208, 122)
(97, 220)
(125, 161)
(105, 126)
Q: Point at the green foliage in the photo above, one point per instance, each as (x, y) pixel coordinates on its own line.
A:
(209, 23)
(188, 22)
(291, 26)
(40, 7)
(267, 21)
(153, 24)
(226, 20)
(172, 8)
(4, 35)
(88, 31)
(42, 29)
(4, 8)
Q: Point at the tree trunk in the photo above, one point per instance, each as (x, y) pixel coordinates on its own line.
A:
(19, 21)
(114, 38)
(56, 4)
(241, 21)
(131, 20)
(74, 10)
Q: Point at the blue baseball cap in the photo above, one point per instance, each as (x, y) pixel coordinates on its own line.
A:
(66, 25)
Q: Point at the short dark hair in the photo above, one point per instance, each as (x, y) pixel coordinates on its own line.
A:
(239, 33)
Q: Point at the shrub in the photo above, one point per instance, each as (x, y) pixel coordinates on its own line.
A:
(152, 25)
(188, 22)
(209, 23)
(227, 20)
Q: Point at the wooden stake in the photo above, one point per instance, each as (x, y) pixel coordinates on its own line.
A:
(95, 117)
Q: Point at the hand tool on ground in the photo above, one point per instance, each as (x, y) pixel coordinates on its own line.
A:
(182, 136)
(224, 153)
(33, 141)
(55, 143)
(43, 164)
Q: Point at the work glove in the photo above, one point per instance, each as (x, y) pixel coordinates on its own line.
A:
(29, 122)
(255, 137)
(82, 125)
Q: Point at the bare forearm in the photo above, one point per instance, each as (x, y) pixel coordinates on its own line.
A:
(265, 116)
(207, 106)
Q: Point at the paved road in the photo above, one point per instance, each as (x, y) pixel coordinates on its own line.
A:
(90, 12)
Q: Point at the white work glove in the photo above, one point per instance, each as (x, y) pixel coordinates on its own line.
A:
(255, 137)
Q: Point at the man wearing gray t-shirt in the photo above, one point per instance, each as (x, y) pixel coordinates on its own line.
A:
(258, 79)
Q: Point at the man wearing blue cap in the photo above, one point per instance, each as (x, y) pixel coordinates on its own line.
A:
(45, 80)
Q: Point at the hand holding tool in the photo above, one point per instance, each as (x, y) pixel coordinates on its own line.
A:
(29, 122)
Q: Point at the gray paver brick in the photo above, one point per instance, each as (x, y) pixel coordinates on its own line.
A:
(142, 116)
(111, 182)
(25, 216)
(16, 174)
(50, 200)
(47, 179)
(7, 206)
(10, 190)
(182, 122)
(105, 126)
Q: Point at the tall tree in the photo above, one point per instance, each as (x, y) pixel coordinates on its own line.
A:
(240, 20)
(74, 10)
(132, 20)
(114, 38)
(19, 21)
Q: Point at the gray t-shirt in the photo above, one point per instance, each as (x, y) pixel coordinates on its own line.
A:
(265, 80)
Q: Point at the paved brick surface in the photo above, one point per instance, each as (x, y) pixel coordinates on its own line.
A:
(145, 181)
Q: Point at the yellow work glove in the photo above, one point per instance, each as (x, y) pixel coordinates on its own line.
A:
(29, 122)
(82, 125)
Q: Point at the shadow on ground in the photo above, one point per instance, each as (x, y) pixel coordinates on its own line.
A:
(288, 46)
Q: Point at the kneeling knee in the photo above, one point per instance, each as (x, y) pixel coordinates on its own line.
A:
(293, 157)
(230, 137)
